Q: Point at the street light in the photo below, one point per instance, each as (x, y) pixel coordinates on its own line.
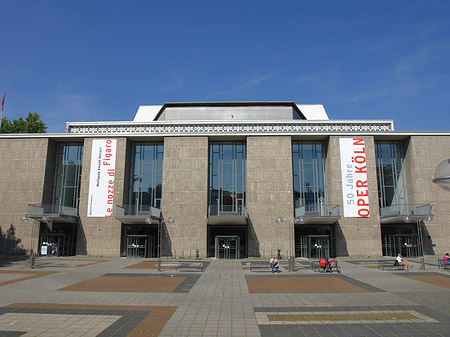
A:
(442, 175)
(442, 178)
(24, 218)
(291, 245)
(148, 220)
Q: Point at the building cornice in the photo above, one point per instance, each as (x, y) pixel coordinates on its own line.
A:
(230, 128)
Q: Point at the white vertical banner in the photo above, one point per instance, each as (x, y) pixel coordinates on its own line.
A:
(355, 192)
(101, 182)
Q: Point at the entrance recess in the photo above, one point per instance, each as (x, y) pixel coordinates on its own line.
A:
(227, 247)
(405, 244)
(315, 246)
(61, 240)
(139, 241)
(139, 246)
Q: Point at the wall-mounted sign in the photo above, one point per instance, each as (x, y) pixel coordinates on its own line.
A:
(101, 183)
(355, 192)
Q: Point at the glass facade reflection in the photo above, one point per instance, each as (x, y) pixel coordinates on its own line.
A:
(146, 175)
(390, 173)
(227, 177)
(66, 186)
(308, 160)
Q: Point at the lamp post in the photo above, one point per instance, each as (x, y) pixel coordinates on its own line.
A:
(148, 220)
(26, 217)
(442, 175)
(291, 244)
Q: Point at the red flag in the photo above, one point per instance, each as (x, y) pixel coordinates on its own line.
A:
(3, 101)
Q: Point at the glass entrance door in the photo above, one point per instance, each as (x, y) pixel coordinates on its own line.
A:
(405, 244)
(227, 247)
(409, 245)
(314, 246)
(139, 246)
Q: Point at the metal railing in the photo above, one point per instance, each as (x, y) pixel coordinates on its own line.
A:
(133, 210)
(317, 210)
(227, 211)
(46, 209)
(407, 210)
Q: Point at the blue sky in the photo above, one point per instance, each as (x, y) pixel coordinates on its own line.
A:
(99, 60)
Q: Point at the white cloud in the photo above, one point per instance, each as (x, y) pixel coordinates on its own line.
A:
(245, 85)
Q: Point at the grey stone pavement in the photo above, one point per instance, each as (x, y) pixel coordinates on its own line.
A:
(218, 302)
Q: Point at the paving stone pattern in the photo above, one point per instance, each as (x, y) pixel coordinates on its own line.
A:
(66, 297)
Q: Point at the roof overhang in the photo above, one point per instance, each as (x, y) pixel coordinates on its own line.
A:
(227, 104)
(316, 220)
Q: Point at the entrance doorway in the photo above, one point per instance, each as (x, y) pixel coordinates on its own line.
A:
(60, 241)
(232, 236)
(139, 241)
(140, 246)
(400, 239)
(405, 244)
(314, 242)
(227, 247)
(315, 246)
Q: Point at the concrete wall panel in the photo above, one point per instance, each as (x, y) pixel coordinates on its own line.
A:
(100, 236)
(269, 193)
(22, 173)
(185, 195)
(423, 155)
(359, 237)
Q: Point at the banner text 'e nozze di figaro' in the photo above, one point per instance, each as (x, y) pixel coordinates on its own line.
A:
(101, 183)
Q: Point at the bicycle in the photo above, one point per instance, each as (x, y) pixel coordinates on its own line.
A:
(328, 266)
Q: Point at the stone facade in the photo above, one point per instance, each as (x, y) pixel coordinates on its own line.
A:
(423, 155)
(22, 177)
(269, 193)
(27, 168)
(100, 236)
(185, 195)
(355, 236)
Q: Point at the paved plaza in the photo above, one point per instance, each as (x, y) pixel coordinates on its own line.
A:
(129, 297)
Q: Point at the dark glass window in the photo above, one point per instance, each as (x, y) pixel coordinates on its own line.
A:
(66, 186)
(146, 175)
(227, 176)
(390, 173)
(308, 164)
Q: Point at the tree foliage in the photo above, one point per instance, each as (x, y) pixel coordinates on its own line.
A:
(31, 124)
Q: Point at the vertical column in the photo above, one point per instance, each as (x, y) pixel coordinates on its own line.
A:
(185, 195)
(22, 181)
(100, 236)
(269, 193)
(423, 155)
(355, 236)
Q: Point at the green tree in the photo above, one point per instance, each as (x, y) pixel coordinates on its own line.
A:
(31, 124)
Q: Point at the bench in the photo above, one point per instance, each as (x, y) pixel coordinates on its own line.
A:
(442, 265)
(315, 265)
(389, 264)
(260, 265)
(189, 266)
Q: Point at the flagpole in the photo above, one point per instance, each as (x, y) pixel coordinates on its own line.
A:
(1, 115)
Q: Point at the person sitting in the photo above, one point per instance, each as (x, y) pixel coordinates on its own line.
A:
(323, 263)
(272, 260)
(274, 264)
(400, 261)
(446, 259)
